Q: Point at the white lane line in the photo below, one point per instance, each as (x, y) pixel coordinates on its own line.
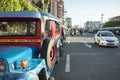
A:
(68, 42)
(74, 53)
(118, 54)
(67, 67)
(87, 45)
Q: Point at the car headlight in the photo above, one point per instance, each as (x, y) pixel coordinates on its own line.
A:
(103, 39)
(3, 65)
(117, 40)
(24, 64)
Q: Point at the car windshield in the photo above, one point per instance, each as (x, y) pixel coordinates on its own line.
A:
(17, 28)
(107, 34)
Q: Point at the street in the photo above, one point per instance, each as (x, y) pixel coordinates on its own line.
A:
(85, 60)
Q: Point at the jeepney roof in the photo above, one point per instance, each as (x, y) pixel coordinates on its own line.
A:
(49, 16)
(20, 14)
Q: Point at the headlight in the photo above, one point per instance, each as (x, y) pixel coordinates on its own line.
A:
(23, 64)
(3, 65)
(103, 39)
(117, 40)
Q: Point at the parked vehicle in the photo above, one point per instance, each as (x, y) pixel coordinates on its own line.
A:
(30, 45)
(116, 30)
(106, 38)
(72, 32)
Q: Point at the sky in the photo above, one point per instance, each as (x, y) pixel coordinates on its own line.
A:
(90, 10)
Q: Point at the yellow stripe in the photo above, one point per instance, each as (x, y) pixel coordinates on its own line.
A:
(20, 40)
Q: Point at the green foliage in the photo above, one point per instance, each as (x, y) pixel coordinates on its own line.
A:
(112, 24)
(46, 5)
(40, 4)
(15, 5)
(43, 5)
(26, 6)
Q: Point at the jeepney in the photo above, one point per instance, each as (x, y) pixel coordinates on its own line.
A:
(30, 45)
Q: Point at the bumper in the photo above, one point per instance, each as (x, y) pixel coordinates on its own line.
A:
(114, 44)
(18, 76)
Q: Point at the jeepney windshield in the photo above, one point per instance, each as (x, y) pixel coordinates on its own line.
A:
(17, 28)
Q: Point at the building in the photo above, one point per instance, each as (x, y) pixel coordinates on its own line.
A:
(68, 22)
(117, 18)
(55, 7)
(91, 25)
(97, 24)
(60, 9)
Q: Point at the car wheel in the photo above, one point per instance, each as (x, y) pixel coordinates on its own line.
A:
(99, 43)
(95, 41)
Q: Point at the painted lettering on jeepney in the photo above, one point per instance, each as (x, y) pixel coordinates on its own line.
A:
(19, 40)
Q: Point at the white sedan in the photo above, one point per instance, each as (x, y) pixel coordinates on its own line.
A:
(106, 38)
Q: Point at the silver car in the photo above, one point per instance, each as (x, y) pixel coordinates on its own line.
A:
(106, 38)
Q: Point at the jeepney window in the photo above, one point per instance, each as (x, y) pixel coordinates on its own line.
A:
(17, 28)
(57, 27)
(47, 26)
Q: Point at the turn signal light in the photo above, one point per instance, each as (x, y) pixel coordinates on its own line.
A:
(23, 64)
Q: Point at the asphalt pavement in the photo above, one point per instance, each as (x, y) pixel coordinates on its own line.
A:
(85, 60)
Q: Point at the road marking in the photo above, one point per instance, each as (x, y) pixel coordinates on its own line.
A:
(68, 42)
(87, 45)
(67, 67)
(118, 54)
(75, 53)
(95, 54)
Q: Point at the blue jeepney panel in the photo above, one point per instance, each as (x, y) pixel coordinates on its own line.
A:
(29, 73)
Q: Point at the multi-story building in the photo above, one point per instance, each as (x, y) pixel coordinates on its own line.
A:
(60, 9)
(68, 22)
(91, 25)
(97, 24)
(56, 7)
(53, 7)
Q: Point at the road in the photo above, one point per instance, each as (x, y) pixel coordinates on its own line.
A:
(84, 60)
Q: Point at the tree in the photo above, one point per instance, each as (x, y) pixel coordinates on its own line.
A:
(46, 5)
(112, 24)
(43, 5)
(15, 5)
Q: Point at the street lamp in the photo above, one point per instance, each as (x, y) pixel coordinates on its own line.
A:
(65, 13)
(102, 20)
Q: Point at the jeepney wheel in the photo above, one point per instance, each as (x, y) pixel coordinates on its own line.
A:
(48, 52)
(42, 75)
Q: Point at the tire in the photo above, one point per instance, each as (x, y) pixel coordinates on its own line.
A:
(95, 41)
(99, 43)
(42, 75)
(48, 52)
